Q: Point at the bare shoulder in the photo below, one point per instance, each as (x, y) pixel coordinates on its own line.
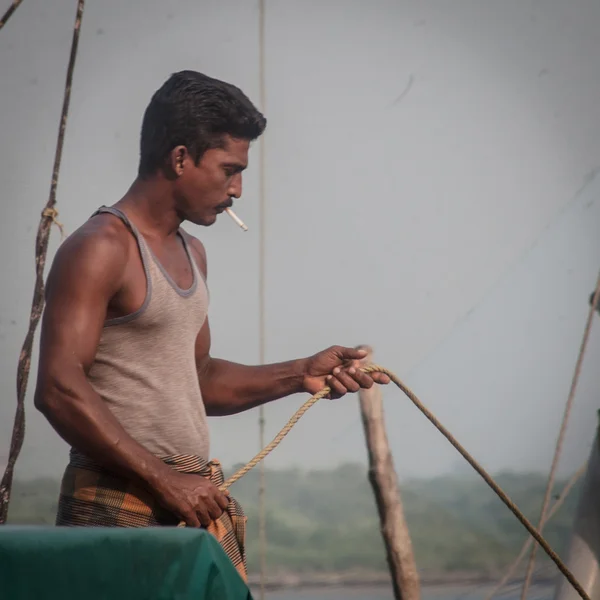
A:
(97, 251)
(198, 250)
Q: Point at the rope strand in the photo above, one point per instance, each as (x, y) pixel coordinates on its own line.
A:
(561, 436)
(529, 541)
(9, 12)
(433, 419)
(37, 306)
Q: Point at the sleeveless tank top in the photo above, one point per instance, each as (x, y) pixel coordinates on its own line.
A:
(145, 367)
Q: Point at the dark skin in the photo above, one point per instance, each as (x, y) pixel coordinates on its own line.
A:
(98, 274)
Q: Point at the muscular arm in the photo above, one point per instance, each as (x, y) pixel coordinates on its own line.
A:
(87, 272)
(229, 388)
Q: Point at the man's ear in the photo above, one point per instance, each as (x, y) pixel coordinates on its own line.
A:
(177, 160)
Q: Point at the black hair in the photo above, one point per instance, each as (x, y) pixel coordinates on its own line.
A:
(195, 111)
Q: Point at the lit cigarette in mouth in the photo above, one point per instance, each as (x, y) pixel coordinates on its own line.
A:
(236, 219)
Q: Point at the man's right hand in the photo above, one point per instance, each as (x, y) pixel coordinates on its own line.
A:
(193, 498)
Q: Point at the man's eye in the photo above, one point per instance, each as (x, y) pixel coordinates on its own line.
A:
(229, 172)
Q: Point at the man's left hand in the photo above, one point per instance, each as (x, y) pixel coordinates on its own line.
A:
(339, 368)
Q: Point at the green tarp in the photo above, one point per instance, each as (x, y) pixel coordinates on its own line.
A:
(52, 563)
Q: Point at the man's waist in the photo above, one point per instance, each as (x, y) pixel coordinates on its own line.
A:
(184, 463)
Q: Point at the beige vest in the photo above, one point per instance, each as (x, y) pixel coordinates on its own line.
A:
(145, 368)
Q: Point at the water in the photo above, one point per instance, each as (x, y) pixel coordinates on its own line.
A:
(476, 592)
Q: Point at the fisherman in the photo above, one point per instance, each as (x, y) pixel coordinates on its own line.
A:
(125, 373)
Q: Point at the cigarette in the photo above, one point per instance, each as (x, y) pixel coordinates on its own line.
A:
(236, 219)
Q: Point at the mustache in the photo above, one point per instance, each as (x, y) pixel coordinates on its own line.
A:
(226, 204)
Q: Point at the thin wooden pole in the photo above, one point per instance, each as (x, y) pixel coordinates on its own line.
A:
(9, 13)
(561, 436)
(262, 518)
(49, 216)
(383, 478)
(529, 541)
(583, 557)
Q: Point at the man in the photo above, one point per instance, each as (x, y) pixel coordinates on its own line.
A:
(125, 371)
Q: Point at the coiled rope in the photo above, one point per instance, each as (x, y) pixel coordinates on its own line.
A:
(480, 470)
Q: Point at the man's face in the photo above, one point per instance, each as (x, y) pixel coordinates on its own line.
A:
(205, 190)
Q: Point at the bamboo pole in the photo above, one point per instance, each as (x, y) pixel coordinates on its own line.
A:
(49, 216)
(561, 435)
(529, 541)
(262, 489)
(383, 478)
(9, 13)
(583, 557)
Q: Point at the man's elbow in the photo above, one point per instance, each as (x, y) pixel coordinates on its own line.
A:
(46, 399)
(50, 397)
(221, 409)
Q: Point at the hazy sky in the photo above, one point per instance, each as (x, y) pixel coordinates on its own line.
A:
(431, 190)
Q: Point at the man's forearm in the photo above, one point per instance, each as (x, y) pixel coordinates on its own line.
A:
(81, 418)
(229, 388)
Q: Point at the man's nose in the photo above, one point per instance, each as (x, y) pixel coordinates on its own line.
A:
(235, 189)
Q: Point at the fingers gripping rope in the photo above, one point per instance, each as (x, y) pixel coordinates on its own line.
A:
(482, 472)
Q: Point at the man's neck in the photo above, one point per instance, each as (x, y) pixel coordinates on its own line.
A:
(151, 204)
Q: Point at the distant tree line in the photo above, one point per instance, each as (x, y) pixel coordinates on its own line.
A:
(326, 520)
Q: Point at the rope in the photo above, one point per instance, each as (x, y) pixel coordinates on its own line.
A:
(41, 248)
(555, 508)
(433, 419)
(50, 215)
(561, 436)
(9, 13)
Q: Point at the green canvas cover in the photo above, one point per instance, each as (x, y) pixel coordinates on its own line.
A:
(94, 563)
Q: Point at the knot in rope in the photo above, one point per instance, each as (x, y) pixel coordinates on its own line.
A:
(52, 214)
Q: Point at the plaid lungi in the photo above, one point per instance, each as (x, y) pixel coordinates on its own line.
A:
(91, 496)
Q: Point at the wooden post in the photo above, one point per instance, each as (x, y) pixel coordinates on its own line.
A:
(384, 481)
